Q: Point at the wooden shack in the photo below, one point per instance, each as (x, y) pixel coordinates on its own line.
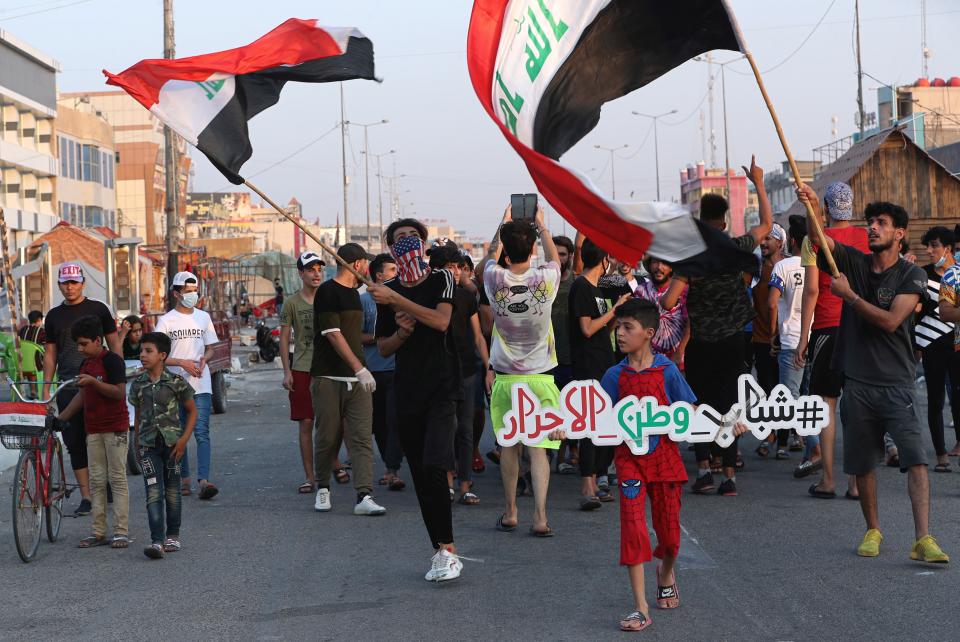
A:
(890, 167)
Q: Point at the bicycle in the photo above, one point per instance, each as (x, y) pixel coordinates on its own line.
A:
(39, 484)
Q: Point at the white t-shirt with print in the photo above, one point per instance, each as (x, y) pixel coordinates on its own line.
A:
(189, 334)
(523, 340)
(787, 277)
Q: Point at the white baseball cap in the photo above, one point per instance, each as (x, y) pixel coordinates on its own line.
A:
(181, 278)
(307, 259)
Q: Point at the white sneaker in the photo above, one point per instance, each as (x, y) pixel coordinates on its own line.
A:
(368, 507)
(322, 504)
(444, 566)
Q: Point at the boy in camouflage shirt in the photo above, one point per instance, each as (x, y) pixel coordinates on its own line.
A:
(157, 396)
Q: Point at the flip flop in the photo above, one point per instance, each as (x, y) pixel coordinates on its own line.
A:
(305, 487)
(120, 541)
(469, 499)
(397, 484)
(850, 495)
(942, 468)
(589, 503)
(636, 616)
(341, 475)
(208, 491)
(92, 541)
(820, 494)
(547, 533)
(505, 528)
(668, 597)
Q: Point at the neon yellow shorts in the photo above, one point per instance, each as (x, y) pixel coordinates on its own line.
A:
(541, 385)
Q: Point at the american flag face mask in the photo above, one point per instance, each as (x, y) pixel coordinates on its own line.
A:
(408, 253)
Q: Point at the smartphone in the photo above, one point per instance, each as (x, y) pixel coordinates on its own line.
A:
(523, 206)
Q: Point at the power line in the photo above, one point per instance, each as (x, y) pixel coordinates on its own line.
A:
(285, 158)
(33, 13)
(795, 51)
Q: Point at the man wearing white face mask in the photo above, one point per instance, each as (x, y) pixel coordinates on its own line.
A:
(191, 335)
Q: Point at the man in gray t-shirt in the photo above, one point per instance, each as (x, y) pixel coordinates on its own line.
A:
(880, 292)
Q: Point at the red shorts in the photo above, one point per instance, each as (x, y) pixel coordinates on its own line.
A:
(301, 403)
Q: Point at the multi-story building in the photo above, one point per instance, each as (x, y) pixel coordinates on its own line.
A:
(140, 174)
(929, 108)
(695, 181)
(86, 167)
(28, 106)
(782, 189)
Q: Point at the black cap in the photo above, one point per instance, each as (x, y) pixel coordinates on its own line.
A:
(351, 252)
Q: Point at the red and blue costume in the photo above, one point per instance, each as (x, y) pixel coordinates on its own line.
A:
(660, 473)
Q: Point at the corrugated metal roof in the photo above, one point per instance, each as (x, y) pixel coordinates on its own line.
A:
(948, 156)
(845, 167)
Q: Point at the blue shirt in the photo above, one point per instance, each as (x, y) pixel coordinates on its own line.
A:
(674, 384)
(371, 354)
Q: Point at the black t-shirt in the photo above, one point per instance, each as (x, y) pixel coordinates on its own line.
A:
(427, 365)
(279, 297)
(864, 352)
(57, 327)
(130, 351)
(336, 307)
(930, 332)
(590, 356)
(464, 307)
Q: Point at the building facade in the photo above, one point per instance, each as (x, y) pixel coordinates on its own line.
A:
(86, 167)
(28, 168)
(697, 180)
(140, 171)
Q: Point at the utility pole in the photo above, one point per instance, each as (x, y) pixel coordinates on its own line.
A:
(726, 137)
(613, 176)
(656, 144)
(925, 53)
(380, 194)
(366, 166)
(713, 131)
(343, 165)
(860, 115)
(171, 184)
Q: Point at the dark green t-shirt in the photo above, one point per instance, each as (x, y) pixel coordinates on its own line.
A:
(336, 308)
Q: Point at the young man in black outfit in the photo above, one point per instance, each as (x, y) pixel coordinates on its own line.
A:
(413, 320)
(591, 351)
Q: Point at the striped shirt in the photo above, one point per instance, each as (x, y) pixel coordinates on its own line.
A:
(930, 328)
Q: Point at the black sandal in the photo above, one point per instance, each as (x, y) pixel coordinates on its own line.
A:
(505, 528)
(821, 494)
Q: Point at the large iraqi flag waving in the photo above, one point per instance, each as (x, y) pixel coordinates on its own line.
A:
(544, 68)
(208, 99)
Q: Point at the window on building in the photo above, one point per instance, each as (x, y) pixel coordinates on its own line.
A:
(63, 156)
(94, 216)
(46, 197)
(90, 161)
(13, 188)
(29, 193)
(29, 133)
(71, 146)
(11, 125)
(43, 138)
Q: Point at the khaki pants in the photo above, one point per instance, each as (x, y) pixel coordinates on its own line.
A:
(336, 409)
(107, 454)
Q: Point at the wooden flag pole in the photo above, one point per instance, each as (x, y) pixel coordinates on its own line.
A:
(326, 248)
(11, 296)
(811, 215)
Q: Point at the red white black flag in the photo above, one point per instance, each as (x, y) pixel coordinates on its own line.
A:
(544, 68)
(208, 99)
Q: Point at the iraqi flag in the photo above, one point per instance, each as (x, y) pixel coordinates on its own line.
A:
(544, 68)
(208, 99)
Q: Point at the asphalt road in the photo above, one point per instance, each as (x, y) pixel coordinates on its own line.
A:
(259, 564)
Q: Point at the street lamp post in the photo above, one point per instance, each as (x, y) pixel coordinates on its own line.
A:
(656, 144)
(613, 176)
(380, 193)
(366, 169)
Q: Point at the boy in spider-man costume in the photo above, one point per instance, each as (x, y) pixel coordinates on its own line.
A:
(660, 473)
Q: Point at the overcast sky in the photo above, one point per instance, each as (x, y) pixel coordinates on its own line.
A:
(457, 165)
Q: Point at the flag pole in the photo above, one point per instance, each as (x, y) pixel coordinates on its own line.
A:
(326, 248)
(811, 215)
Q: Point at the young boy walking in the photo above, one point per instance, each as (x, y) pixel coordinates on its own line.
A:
(102, 382)
(660, 473)
(158, 396)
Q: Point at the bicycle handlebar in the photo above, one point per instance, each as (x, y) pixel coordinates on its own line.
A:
(62, 384)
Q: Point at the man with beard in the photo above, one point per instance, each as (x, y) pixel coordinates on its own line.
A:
(880, 292)
(765, 340)
(674, 330)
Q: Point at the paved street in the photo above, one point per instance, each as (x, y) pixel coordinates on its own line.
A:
(258, 563)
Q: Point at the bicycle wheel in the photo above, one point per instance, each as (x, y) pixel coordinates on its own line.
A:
(56, 489)
(26, 506)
